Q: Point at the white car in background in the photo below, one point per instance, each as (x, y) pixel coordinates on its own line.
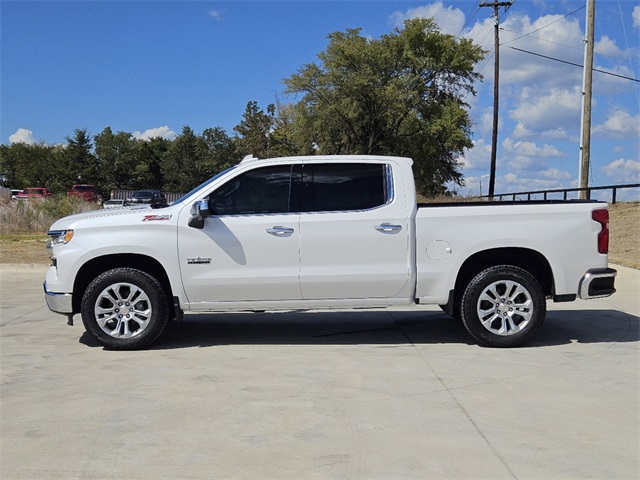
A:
(114, 203)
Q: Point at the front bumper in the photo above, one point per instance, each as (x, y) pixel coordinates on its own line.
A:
(597, 283)
(58, 302)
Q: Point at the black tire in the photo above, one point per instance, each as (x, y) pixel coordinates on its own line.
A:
(513, 316)
(125, 309)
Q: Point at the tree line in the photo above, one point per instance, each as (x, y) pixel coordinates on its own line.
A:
(403, 94)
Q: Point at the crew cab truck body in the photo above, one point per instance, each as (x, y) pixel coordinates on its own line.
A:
(325, 232)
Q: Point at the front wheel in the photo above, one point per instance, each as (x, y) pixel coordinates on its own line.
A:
(503, 306)
(124, 309)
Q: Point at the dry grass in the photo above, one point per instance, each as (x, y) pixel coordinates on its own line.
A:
(24, 225)
(624, 243)
(23, 248)
(20, 243)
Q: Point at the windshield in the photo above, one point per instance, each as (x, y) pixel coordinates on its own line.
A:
(202, 185)
(142, 194)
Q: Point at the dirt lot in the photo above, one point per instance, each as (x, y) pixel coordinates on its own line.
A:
(624, 242)
(27, 248)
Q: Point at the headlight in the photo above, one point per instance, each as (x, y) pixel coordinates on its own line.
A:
(59, 237)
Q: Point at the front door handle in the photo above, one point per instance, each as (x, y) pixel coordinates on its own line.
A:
(388, 228)
(280, 231)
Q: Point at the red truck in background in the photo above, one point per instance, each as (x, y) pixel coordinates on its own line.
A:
(33, 192)
(84, 191)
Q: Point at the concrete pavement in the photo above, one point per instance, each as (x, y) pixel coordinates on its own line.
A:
(360, 395)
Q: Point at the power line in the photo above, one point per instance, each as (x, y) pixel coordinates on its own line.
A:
(476, 9)
(571, 63)
(545, 26)
(624, 30)
(565, 45)
(537, 38)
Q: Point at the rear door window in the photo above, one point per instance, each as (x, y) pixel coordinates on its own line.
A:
(343, 187)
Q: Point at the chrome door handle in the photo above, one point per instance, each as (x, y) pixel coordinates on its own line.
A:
(388, 228)
(279, 230)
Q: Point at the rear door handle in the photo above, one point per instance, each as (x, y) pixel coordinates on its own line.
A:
(388, 228)
(280, 231)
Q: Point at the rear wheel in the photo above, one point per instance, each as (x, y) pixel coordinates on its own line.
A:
(124, 309)
(503, 306)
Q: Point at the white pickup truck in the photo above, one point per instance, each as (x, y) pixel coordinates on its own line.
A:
(325, 232)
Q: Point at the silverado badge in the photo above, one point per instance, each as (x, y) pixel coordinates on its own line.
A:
(198, 260)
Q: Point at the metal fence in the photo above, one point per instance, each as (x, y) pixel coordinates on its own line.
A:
(123, 194)
(518, 196)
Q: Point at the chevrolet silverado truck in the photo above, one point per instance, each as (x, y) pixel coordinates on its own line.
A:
(324, 232)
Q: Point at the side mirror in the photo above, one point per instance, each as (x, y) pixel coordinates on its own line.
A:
(199, 211)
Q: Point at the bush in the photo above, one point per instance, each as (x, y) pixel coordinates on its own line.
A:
(36, 215)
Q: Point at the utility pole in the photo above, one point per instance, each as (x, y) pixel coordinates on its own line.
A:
(496, 82)
(585, 133)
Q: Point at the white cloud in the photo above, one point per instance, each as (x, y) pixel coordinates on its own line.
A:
(621, 170)
(620, 124)
(164, 132)
(478, 157)
(530, 149)
(527, 155)
(548, 179)
(611, 84)
(22, 135)
(636, 17)
(215, 14)
(449, 19)
(607, 46)
(551, 113)
(518, 67)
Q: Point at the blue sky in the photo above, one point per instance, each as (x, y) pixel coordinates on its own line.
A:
(151, 67)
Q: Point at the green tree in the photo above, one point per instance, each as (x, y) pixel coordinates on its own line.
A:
(80, 165)
(254, 131)
(12, 160)
(220, 153)
(148, 170)
(402, 94)
(116, 160)
(289, 134)
(37, 165)
(179, 164)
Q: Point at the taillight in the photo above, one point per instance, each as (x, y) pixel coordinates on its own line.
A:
(602, 217)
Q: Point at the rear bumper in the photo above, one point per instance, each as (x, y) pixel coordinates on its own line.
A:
(58, 302)
(597, 283)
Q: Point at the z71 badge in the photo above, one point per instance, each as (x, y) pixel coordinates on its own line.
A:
(155, 218)
(198, 260)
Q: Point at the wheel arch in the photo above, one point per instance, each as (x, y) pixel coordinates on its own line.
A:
(96, 266)
(527, 259)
